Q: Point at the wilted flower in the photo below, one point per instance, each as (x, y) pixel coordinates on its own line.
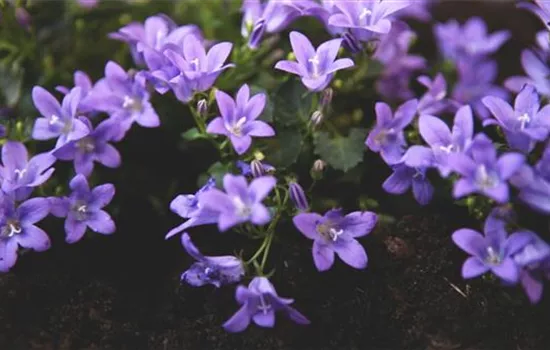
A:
(215, 270)
(84, 208)
(17, 228)
(387, 136)
(238, 118)
(404, 177)
(316, 67)
(336, 233)
(240, 202)
(259, 303)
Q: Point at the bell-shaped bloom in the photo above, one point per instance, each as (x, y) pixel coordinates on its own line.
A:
(534, 183)
(470, 41)
(124, 98)
(525, 123)
(17, 228)
(315, 67)
(259, 303)
(336, 233)
(188, 207)
(240, 202)
(84, 208)
(215, 270)
(491, 252)
(434, 99)
(238, 119)
(59, 121)
(483, 172)
(442, 142)
(199, 69)
(82, 81)
(404, 177)
(366, 18)
(95, 147)
(21, 174)
(387, 137)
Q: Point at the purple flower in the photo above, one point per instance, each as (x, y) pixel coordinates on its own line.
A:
(483, 172)
(404, 177)
(540, 8)
(83, 81)
(259, 303)
(124, 98)
(21, 174)
(215, 270)
(238, 118)
(490, 252)
(534, 183)
(261, 168)
(58, 120)
(365, 18)
(534, 260)
(17, 228)
(433, 101)
(198, 69)
(84, 208)
(442, 141)
(387, 136)
(524, 124)
(189, 207)
(298, 196)
(93, 148)
(470, 41)
(335, 232)
(240, 202)
(316, 67)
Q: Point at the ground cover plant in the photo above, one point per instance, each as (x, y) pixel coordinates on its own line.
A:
(273, 150)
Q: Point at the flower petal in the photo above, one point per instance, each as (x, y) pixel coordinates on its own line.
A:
(470, 241)
(352, 253)
(101, 222)
(473, 267)
(323, 256)
(307, 223)
(239, 321)
(34, 238)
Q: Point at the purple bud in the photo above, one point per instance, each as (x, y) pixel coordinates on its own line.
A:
(257, 168)
(316, 118)
(298, 196)
(202, 107)
(23, 17)
(257, 34)
(2, 131)
(351, 43)
(319, 166)
(326, 97)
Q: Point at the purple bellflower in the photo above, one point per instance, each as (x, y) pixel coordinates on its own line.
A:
(259, 303)
(534, 259)
(21, 174)
(404, 177)
(433, 101)
(469, 42)
(59, 121)
(442, 141)
(124, 98)
(189, 207)
(215, 270)
(316, 67)
(491, 252)
(336, 233)
(240, 202)
(387, 136)
(483, 172)
(534, 183)
(298, 196)
(82, 81)
(246, 169)
(84, 208)
(366, 18)
(95, 147)
(238, 118)
(198, 69)
(524, 124)
(17, 228)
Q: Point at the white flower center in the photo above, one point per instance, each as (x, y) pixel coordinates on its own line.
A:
(447, 149)
(524, 120)
(237, 128)
(54, 119)
(365, 13)
(264, 307)
(330, 233)
(20, 172)
(440, 95)
(86, 145)
(492, 257)
(241, 208)
(484, 179)
(314, 66)
(195, 63)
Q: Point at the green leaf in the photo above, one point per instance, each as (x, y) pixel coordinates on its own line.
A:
(342, 153)
(285, 148)
(192, 134)
(217, 171)
(291, 103)
(267, 114)
(11, 78)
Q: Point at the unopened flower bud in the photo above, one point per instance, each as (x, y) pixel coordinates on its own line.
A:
(257, 34)
(319, 166)
(351, 43)
(316, 118)
(23, 17)
(326, 97)
(257, 168)
(202, 107)
(298, 196)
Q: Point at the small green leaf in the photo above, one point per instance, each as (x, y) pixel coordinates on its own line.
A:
(291, 103)
(342, 153)
(192, 134)
(217, 171)
(11, 78)
(285, 148)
